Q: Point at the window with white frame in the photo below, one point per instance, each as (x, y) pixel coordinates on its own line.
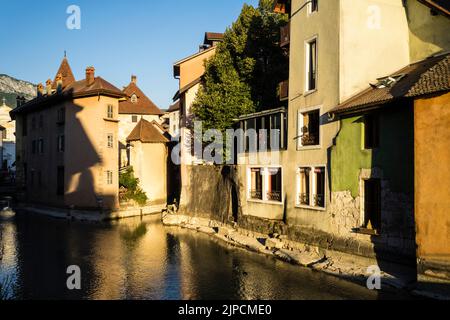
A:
(311, 65)
(110, 140)
(256, 184)
(110, 111)
(109, 177)
(309, 128)
(266, 184)
(313, 6)
(311, 187)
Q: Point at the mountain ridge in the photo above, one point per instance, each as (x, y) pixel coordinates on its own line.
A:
(11, 87)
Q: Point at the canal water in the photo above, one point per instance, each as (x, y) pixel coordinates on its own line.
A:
(141, 259)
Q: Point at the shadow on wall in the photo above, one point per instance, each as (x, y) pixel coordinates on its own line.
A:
(173, 177)
(428, 31)
(76, 177)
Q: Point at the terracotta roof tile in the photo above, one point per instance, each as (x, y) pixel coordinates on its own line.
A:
(174, 107)
(76, 89)
(429, 76)
(146, 132)
(143, 105)
(66, 72)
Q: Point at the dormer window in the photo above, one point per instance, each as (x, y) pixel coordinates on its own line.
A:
(134, 98)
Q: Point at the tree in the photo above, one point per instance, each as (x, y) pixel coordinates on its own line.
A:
(244, 74)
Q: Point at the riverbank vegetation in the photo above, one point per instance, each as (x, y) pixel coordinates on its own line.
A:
(131, 190)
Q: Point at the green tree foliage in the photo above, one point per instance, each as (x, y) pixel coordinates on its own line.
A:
(131, 185)
(244, 74)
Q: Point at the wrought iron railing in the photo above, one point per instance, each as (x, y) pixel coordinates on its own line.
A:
(274, 196)
(256, 194)
(303, 199)
(319, 200)
(310, 139)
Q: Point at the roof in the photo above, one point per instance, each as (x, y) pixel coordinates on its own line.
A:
(66, 72)
(143, 105)
(174, 107)
(213, 36)
(78, 89)
(441, 6)
(428, 76)
(178, 63)
(146, 132)
(261, 114)
(187, 87)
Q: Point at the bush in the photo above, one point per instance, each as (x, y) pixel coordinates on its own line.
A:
(130, 183)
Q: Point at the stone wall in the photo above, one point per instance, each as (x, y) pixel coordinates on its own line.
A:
(211, 192)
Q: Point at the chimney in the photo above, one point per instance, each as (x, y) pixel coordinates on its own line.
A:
(59, 82)
(48, 85)
(40, 90)
(134, 79)
(18, 101)
(90, 75)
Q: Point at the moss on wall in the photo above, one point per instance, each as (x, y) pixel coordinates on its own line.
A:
(395, 156)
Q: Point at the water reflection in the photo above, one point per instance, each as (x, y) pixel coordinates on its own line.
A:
(141, 259)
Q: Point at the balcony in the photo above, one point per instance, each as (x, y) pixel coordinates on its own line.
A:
(285, 35)
(310, 139)
(284, 90)
(274, 196)
(303, 199)
(256, 194)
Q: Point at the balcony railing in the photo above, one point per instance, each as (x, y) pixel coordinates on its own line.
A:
(274, 196)
(285, 35)
(303, 199)
(319, 200)
(310, 139)
(284, 90)
(256, 194)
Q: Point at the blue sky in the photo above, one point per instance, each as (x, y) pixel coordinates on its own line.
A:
(117, 37)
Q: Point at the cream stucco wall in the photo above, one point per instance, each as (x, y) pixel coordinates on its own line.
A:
(86, 158)
(428, 34)
(373, 42)
(193, 68)
(149, 161)
(126, 125)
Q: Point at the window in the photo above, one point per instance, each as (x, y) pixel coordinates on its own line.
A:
(274, 138)
(311, 65)
(109, 177)
(371, 131)
(41, 146)
(319, 188)
(134, 119)
(33, 123)
(313, 6)
(134, 98)
(60, 181)
(41, 121)
(311, 187)
(110, 140)
(266, 184)
(40, 179)
(372, 205)
(33, 147)
(274, 187)
(32, 177)
(256, 191)
(4, 134)
(304, 186)
(24, 126)
(61, 116)
(110, 113)
(61, 143)
(309, 127)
